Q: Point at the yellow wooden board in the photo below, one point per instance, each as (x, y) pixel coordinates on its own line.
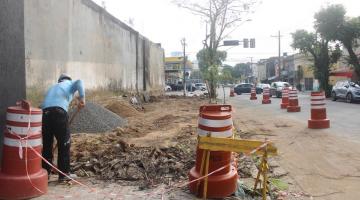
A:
(234, 145)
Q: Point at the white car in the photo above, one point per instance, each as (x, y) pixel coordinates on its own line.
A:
(200, 86)
(167, 88)
(276, 88)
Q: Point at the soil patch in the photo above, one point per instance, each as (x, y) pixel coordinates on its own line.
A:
(122, 108)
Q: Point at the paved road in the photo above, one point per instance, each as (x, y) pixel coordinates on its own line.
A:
(344, 117)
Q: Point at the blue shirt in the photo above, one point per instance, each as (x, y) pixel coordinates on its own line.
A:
(61, 94)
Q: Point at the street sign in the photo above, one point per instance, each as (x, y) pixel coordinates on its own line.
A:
(231, 42)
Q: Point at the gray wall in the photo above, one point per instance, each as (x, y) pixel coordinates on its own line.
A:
(40, 39)
(80, 38)
(12, 72)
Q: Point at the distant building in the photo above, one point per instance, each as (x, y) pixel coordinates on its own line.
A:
(342, 70)
(261, 70)
(174, 70)
(303, 72)
(295, 69)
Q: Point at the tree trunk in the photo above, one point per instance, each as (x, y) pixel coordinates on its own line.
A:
(353, 60)
(322, 72)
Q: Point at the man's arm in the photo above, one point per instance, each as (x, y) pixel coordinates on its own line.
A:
(79, 86)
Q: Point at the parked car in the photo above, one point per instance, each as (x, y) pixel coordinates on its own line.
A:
(190, 87)
(347, 90)
(200, 86)
(245, 88)
(262, 86)
(276, 88)
(167, 88)
(180, 86)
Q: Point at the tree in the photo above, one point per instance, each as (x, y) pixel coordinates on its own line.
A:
(333, 25)
(323, 54)
(242, 70)
(209, 68)
(226, 74)
(221, 16)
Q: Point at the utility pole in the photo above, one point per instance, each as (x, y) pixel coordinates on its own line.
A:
(279, 38)
(251, 66)
(183, 43)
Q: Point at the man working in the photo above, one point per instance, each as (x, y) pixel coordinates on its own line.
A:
(55, 121)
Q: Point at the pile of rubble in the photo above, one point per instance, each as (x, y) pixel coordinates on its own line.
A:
(108, 157)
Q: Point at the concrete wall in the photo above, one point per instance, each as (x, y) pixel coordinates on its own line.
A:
(12, 72)
(80, 38)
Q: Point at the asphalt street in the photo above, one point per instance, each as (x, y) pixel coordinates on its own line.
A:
(344, 117)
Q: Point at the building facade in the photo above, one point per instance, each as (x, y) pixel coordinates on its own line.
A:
(174, 69)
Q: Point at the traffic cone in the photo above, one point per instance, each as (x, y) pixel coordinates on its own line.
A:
(266, 96)
(21, 174)
(284, 98)
(253, 94)
(318, 111)
(293, 101)
(216, 121)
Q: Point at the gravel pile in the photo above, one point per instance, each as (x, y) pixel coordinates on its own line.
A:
(95, 119)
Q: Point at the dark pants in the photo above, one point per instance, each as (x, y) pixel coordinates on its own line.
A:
(55, 123)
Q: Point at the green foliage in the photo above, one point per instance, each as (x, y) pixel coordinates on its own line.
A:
(242, 70)
(207, 57)
(333, 25)
(279, 184)
(226, 76)
(209, 62)
(329, 20)
(304, 41)
(324, 55)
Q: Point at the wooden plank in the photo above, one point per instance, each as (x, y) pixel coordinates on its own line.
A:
(234, 145)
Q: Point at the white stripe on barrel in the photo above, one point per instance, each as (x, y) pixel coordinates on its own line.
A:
(285, 92)
(293, 94)
(23, 117)
(266, 91)
(318, 102)
(222, 134)
(23, 130)
(24, 143)
(215, 123)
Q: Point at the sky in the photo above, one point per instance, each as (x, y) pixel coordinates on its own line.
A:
(164, 22)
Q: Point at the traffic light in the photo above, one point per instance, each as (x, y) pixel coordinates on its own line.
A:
(252, 43)
(246, 43)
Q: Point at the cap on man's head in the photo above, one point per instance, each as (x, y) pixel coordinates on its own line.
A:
(64, 77)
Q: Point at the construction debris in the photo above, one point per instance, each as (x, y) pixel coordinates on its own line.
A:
(108, 157)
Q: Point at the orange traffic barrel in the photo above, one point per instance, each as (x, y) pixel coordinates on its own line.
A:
(266, 96)
(21, 167)
(284, 98)
(318, 111)
(215, 121)
(253, 94)
(293, 101)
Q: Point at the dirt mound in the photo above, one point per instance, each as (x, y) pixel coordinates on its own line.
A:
(95, 119)
(122, 108)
